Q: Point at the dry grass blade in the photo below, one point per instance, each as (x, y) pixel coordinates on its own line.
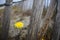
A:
(47, 19)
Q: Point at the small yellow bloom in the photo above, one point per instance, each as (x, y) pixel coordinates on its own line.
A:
(19, 25)
(42, 39)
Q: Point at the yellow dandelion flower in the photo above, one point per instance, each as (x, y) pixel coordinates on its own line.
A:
(19, 25)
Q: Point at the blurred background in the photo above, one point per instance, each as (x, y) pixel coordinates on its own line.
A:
(38, 17)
